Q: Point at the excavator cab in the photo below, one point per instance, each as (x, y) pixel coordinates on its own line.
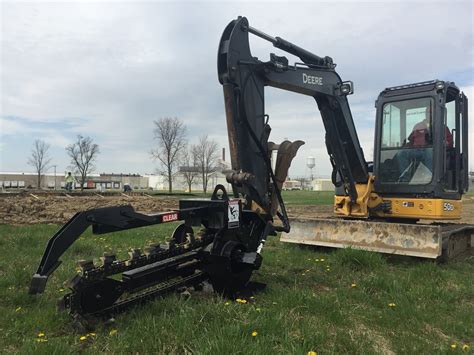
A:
(421, 141)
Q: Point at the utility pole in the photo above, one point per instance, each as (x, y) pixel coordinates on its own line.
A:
(54, 166)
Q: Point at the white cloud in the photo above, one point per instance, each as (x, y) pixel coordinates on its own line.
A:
(107, 70)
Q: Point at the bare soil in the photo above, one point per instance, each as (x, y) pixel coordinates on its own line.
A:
(58, 209)
(26, 209)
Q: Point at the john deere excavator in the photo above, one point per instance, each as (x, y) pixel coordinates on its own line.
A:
(419, 174)
(420, 169)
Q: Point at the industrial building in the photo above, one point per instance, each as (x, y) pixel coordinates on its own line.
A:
(14, 181)
(103, 181)
(322, 185)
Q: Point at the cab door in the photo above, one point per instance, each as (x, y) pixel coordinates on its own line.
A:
(455, 142)
(464, 171)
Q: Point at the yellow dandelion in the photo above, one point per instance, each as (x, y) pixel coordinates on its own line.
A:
(353, 285)
(392, 305)
(91, 334)
(113, 332)
(227, 303)
(41, 335)
(41, 340)
(18, 309)
(312, 353)
(82, 338)
(254, 333)
(316, 260)
(61, 290)
(465, 347)
(323, 259)
(453, 346)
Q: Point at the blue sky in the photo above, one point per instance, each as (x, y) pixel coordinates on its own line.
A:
(106, 69)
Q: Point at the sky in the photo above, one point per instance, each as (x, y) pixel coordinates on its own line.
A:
(108, 69)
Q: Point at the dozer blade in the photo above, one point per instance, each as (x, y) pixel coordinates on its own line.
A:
(420, 240)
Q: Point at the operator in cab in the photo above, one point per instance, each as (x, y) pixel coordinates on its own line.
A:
(418, 161)
(421, 134)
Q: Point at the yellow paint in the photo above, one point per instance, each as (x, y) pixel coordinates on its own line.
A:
(415, 208)
(423, 208)
(254, 206)
(360, 208)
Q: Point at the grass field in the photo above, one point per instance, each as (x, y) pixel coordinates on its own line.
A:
(304, 197)
(328, 302)
(308, 197)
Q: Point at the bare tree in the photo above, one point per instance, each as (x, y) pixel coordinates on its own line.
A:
(83, 154)
(206, 157)
(189, 168)
(39, 159)
(170, 134)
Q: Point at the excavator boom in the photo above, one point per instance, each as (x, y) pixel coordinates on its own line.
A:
(244, 79)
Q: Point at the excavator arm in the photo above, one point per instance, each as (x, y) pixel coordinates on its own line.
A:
(244, 78)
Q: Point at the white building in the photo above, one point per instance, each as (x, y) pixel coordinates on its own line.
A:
(322, 185)
(160, 182)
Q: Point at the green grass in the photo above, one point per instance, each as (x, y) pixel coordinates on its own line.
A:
(308, 305)
(308, 197)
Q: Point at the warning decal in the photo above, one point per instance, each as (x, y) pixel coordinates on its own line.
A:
(233, 214)
(169, 217)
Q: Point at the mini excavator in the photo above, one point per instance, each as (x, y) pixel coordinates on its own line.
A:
(418, 174)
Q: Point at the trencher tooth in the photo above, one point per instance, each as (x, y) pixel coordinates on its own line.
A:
(152, 249)
(108, 258)
(135, 254)
(85, 265)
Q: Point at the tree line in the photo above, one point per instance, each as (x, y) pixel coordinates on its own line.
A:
(83, 154)
(194, 161)
(173, 151)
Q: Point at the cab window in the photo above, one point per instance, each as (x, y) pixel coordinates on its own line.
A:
(406, 154)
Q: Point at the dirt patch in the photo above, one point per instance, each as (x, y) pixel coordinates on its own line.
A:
(302, 211)
(468, 210)
(381, 344)
(50, 208)
(60, 208)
